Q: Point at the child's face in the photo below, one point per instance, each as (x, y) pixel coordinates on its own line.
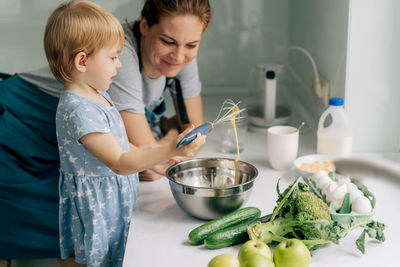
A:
(102, 66)
(171, 44)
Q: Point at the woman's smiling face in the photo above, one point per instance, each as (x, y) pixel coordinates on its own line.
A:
(170, 45)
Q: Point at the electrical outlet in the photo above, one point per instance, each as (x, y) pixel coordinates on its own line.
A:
(323, 91)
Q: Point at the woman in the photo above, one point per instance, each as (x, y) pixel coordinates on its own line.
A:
(159, 53)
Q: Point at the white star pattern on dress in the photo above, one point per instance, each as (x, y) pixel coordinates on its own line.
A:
(72, 159)
(78, 130)
(109, 190)
(66, 141)
(126, 203)
(81, 172)
(72, 114)
(95, 236)
(89, 192)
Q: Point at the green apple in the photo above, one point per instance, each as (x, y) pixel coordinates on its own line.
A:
(292, 253)
(258, 260)
(252, 247)
(224, 260)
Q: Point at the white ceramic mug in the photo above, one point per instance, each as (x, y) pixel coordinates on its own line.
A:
(283, 143)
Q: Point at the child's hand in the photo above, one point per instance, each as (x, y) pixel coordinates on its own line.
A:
(193, 148)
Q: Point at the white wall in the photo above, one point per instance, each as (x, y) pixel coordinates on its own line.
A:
(241, 34)
(22, 24)
(320, 27)
(373, 77)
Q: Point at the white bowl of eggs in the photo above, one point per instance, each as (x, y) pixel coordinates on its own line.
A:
(344, 198)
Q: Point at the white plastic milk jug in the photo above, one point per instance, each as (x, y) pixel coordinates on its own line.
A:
(334, 135)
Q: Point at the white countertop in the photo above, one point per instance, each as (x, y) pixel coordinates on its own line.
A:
(159, 228)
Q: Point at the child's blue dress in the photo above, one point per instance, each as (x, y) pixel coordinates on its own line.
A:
(95, 203)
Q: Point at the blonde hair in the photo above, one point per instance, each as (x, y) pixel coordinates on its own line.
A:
(78, 26)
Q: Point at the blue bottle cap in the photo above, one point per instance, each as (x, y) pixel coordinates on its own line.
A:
(336, 101)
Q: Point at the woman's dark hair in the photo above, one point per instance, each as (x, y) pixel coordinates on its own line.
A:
(153, 10)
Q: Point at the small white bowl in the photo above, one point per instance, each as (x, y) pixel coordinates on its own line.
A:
(324, 160)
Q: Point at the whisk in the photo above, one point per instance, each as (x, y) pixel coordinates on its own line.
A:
(228, 111)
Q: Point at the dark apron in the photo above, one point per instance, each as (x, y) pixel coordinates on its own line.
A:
(29, 172)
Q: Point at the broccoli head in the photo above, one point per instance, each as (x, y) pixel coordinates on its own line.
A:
(309, 203)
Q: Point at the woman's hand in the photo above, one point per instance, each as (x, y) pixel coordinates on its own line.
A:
(149, 175)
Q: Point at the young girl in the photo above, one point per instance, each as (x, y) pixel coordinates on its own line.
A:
(98, 177)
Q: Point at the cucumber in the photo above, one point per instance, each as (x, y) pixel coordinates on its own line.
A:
(197, 235)
(232, 235)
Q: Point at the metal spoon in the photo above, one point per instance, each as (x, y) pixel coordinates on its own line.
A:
(301, 126)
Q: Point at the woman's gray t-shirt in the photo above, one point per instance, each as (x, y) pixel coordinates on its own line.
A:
(131, 89)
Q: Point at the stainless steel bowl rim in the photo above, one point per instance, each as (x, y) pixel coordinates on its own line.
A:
(205, 188)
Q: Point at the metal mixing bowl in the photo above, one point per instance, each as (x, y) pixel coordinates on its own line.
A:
(205, 187)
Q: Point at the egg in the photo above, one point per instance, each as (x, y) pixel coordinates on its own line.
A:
(339, 192)
(355, 194)
(328, 188)
(318, 175)
(337, 204)
(351, 187)
(361, 205)
(346, 179)
(322, 181)
(354, 191)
